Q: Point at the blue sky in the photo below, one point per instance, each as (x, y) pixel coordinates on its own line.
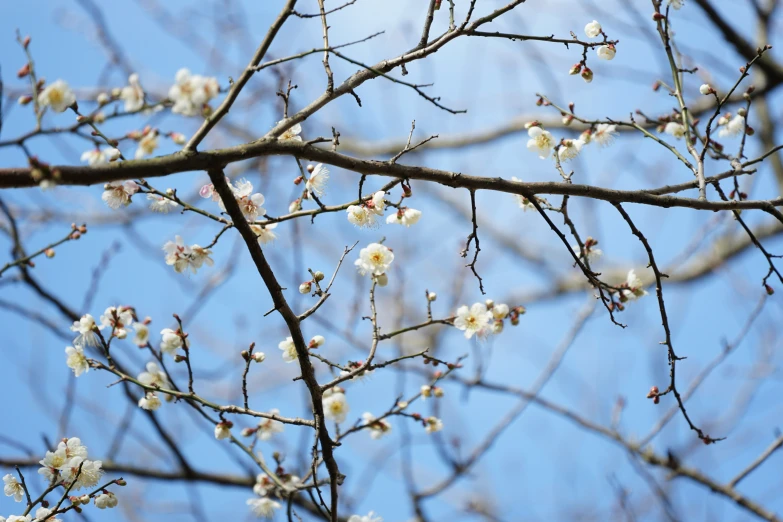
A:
(542, 467)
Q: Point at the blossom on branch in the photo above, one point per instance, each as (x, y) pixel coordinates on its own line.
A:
(316, 183)
(58, 96)
(374, 259)
(118, 193)
(76, 360)
(541, 141)
(191, 93)
(473, 320)
(132, 94)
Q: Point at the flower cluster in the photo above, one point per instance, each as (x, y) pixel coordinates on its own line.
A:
(366, 214)
(483, 319)
(378, 427)
(191, 93)
(591, 253)
(632, 288)
(68, 465)
(264, 507)
(249, 203)
(118, 193)
(182, 257)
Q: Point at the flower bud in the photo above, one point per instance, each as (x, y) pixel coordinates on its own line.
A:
(23, 71)
(382, 280)
(316, 341)
(24, 100)
(657, 17)
(245, 354)
(84, 499)
(298, 180)
(295, 205)
(102, 98)
(115, 93)
(437, 392)
(750, 131)
(426, 391)
(247, 432)
(305, 287)
(587, 75)
(706, 89)
(259, 357)
(49, 253)
(179, 358)
(26, 42)
(178, 138)
(310, 168)
(402, 405)
(431, 296)
(121, 482)
(319, 276)
(576, 69)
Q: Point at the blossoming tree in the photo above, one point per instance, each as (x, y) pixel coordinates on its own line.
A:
(423, 289)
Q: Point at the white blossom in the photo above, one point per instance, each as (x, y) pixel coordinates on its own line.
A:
(107, 499)
(370, 517)
(263, 507)
(361, 216)
(335, 406)
(222, 430)
(150, 402)
(404, 216)
(268, 427)
(676, 4)
(119, 319)
(181, 256)
(675, 129)
(316, 184)
(374, 259)
(249, 203)
(524, 203)
(118, 193)
(97, 156)
(593, 29)
(593, 254)
(473, 320)
(18, 518)
(76, 360)
(192, 92)
(316, 342)
(378, 427)
(292, 133)
(733, 127)
(706, 89)
(500, 311)
(142, 336)
(86, 328)
(635, 286)
(161, 204)
(58, 96)
(88, 476)
(604, 134)
(147, 144)
(154, 376)
(541, 141)
(264, 233)
(377, 204)
(569, 149)
(606, 52)
(132, 94)
(433, 424)
(170, 341)
(289, 350)
(43, 513)
(13, 488)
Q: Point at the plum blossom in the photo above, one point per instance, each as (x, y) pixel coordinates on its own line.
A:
(377, 203)
(292, 133)
(335, 405)
(374, 259)
(263, 507)
(606, 52)
(147, 144)
(42, 513)
(268, 427)
(433, 424)
(118, 319)
(89, 472)
(249, 203)
(192, 92)
(107, 499)
(289, 350)
(675, 129)
(171, 341)
(733, 127)
(604, 134)
(369, 517)
(524, 203)
(706, 89)
(316, 184)
(361, 216)
(541, 141)
(154, 376)
(18, 518)
(100, 157)
(473, 320)
(161, 204)
(635, 287)
(223, 430)
(58, 96)
(150, 402)
(404, 216)
(76, 360)
(182, 257)
(378, 427)
(264, 233)
(13, 488)
(569, 149)
(86, 328)
(132, 94)
(118, 193)
(142, 334)
(593, 29)
(593, 254)
(676, 4)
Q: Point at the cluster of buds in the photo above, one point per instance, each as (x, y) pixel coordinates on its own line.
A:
(78, 231)
(307, 286)
(431, 391)
(250, 355)
(653, 394)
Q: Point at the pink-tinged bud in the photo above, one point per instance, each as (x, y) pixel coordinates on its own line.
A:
(246, 432)
(310, 168)
(25, 100)
(655, 87)
(49, 253)
(768, 47)
(76, 235)
(298, 180)
(23, 71)
(178, 138)
(259, 357)
(438, 374)
(653, 392)
(83, 229)
(134, 135)
(656, 399)
(732, 194)
(750, 89)
(26, 42)
(587, 74)
(769, 289)
(406, 190)
(571, 106)
(305, 287)
(416, 416)
(539, 102)
(575, 69)
(743, 69)
(749, 130)
(81, 119)
(657, 17)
